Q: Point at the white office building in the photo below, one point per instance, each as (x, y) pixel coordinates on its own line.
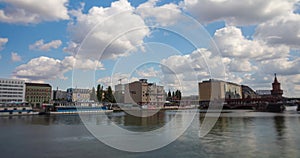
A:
(12, 90)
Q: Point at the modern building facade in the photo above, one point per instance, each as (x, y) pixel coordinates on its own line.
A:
(78, 95)
(38, 93)
(12, 90)
(216, 89)
(143, 93)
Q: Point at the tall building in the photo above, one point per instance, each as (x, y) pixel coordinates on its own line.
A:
(38, 93)
(143, 93)
(12, 90)
(120, 93)
(216, 89)
(276, 90)
(78, 95)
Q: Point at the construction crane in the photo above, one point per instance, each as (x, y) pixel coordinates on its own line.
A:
(120, 80)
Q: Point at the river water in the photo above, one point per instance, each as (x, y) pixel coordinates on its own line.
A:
(235, 134)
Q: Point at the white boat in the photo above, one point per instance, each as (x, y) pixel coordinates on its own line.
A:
(291, 108)
(16, 108)
(79, 109)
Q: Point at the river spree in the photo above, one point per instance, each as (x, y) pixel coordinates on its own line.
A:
(235, 134)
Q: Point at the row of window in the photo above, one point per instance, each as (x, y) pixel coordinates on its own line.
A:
(33, 97)
(12, 89)
(11, 82)
(9, 85)
(7, 92)
(38, 90)
(10, 100)
(37, 94)
(38, 101)
(12, 96)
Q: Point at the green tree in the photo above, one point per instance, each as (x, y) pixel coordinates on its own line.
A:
(169, 94)
(99, 93)
(108, 95)
(93, 94)
(178, 94)
(173, 95)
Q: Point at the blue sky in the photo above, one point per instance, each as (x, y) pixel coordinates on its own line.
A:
(62, 44)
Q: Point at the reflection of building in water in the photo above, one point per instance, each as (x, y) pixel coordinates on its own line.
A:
(140, 92)
(279, 125)
(155, 121)
(216, 89)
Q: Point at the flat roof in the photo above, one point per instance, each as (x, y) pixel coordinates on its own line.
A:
(215, 80)
(38, 84)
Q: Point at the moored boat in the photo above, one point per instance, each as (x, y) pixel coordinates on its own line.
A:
(79, 109)
(16, 108)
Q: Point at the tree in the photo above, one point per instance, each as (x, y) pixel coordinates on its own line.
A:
(178, 95)
(169, 94)
(108, 95)
(93, 94)
(99, 93)
(173, 95)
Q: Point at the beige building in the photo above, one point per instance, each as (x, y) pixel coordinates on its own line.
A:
(38, 93)
(141, 92)
(216, 89)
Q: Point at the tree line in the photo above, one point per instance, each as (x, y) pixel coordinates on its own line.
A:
(174, 96)
(104, 95)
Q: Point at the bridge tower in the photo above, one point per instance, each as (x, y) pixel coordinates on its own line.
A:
(276, 90)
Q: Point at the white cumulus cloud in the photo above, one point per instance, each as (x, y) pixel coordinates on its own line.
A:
(33, 11)
(45, 68)
(282, 30)
(3, 41)
(148, 73)
(116, 78)
(233, 44)
(112, 31)
(15, 57)
(40, 45)
(166, 14)
(238, 12)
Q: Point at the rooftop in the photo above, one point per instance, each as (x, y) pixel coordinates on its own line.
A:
(38, 84)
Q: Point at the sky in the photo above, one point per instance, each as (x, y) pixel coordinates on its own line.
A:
(175, 43)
